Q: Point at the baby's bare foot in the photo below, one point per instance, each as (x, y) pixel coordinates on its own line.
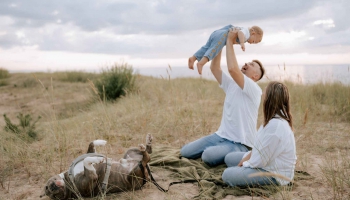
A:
(200, 67)
(191, 61)
(201, 63)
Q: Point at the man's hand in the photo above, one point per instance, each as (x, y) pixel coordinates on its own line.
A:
(243, 46)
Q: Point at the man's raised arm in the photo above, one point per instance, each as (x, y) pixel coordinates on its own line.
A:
(215, 67)
(232, 64)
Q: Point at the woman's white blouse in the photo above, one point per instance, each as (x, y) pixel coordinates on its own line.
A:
(274, 150)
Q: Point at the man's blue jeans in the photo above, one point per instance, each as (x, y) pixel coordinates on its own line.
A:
(212, 149)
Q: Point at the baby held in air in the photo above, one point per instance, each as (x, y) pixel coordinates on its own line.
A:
(217, 41)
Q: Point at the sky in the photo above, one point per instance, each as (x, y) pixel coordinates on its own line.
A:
(56, 35)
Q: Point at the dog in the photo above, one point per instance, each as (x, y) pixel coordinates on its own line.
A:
(87, 175)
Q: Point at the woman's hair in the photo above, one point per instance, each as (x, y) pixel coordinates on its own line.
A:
(276, 101)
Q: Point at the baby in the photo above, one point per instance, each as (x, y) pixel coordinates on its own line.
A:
(217, 41)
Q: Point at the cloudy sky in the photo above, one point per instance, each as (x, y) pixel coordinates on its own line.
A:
(85, 34)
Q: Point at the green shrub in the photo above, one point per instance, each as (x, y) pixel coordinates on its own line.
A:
(115, 81)
(75, 76)
(3, 82)
(4, 73)
(25, 128)
(29, 82)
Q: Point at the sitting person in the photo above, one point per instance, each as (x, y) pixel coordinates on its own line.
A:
(274, 148)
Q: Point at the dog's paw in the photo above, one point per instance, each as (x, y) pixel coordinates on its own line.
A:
(100, 142)
(95, 160)
(142, 147)
(90, 161)
(149, 139)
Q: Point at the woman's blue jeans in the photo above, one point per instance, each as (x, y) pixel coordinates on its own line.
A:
(239, 176)
(212, 149)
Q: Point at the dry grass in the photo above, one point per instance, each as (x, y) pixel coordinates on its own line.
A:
(175, 112)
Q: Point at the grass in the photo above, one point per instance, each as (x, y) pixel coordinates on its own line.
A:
(4, 74)
(175, 111)
(336, 173)
(75, 76)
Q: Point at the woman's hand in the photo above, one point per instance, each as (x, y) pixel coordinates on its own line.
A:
(240, 164)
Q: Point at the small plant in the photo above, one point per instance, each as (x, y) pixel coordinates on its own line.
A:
(4, 73)
(25, 128)
(115, 82)
(3, 83)
(29, 82)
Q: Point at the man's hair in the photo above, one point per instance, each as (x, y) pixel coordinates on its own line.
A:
(261, 68)
(258, 30)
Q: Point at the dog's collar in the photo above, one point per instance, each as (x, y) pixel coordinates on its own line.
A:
(108, 171)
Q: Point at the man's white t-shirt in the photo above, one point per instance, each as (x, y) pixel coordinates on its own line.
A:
(240, 112)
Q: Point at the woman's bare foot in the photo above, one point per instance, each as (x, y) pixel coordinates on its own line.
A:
(191, 61)
(201, 63)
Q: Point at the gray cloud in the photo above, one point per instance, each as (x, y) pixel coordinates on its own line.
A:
(159, 17)
(165, 28)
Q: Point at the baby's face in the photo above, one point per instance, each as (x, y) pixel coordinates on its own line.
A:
(254, 39)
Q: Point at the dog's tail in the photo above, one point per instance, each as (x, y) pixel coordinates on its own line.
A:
(92, 145)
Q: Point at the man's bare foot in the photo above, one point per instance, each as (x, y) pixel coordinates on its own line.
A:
(191, 61)
(201, 63)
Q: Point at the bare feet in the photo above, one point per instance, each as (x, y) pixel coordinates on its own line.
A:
(201, 63)
(191, 61)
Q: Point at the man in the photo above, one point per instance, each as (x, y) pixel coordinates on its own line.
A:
(240, 112)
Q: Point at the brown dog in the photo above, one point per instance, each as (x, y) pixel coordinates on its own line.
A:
(86, 176)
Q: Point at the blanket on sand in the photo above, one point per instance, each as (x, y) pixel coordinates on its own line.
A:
(208, 178)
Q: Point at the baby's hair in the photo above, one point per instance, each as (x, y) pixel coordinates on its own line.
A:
(258, 30)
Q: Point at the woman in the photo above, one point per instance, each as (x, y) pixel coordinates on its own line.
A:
(274, 148)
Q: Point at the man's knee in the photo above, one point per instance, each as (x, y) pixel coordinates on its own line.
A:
(210, 158)
(232, 159)
(184, 152)
(188, 152)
